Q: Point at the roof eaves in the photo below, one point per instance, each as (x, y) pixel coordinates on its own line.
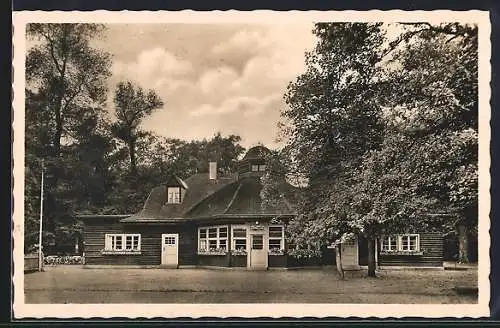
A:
(102, 216)
(146, 220)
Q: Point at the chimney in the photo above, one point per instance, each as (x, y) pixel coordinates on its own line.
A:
(212, 171)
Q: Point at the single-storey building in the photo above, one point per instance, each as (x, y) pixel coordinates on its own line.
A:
(215, 219)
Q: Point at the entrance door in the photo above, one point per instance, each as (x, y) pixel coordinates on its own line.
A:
(349, 253)
(258, 252)
(170, 250)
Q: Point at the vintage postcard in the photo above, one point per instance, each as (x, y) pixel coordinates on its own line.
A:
(251, 164)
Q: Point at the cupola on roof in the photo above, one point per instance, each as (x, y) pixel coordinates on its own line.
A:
(259, 152)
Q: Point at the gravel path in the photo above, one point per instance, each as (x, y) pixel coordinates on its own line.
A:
(67, 284)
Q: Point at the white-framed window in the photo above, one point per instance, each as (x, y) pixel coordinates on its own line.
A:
(239, 238)
(390, 243)
(403, 243)
(174, 195)
(212, 238)
(410, 242)
(122, 242)
(276, 237)
(258, 167)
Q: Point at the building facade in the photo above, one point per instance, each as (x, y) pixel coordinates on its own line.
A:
(214, 219)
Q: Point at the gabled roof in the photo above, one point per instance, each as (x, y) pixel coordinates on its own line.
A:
(227, 197)
(198, 187)
(175, 181)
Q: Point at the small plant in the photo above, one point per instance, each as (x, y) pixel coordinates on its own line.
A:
(238, 252)
(213, 251)
(62, 260)
(276, 251)
(304, 253)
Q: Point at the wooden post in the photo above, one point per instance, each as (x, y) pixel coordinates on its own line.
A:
(77, 241)
(40, 254)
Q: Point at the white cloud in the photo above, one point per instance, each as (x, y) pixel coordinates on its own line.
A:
(243, 98)
(253, 41)
(217, 80)
(151, 63)
(240, 105)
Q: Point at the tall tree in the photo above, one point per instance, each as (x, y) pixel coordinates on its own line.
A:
(132, 105)
(332, 119)
(66, 82)
(67, 72)
(385, 146)
(432, 112)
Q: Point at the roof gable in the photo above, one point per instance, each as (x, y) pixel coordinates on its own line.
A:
(175, 181)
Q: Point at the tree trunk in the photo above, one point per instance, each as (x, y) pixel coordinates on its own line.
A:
(133, 164)
(371, 257)
(463, 244)
(338, 261)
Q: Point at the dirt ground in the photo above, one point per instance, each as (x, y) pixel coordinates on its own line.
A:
(74, 284)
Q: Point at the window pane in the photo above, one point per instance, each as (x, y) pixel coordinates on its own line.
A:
(174, 194)
(274, 243)
(389, 243)
(257, 242)
(119, 242)
(404, 243)
(240, 244)
(203, 233)
(262, 168)
(212, 233)
(239, 232)
(128, 242)
(223, 243)
(255, 168)
(136, 242)
(223, 232)
(393, 243)
(413, 243)
(212, 244)
(276, 232)
(203, 244)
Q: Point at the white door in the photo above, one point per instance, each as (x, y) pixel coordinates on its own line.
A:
(349, 254)
(258, 252)
(170, 250)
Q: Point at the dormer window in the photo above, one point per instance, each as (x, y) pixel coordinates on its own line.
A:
(174, 195)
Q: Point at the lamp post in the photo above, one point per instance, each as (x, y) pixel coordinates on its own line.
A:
(40, 254)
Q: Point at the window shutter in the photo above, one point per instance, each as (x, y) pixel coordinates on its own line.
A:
(107, 242)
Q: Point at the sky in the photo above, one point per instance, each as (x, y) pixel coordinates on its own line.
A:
(212, 78)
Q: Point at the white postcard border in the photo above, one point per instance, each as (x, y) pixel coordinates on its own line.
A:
(22, 310)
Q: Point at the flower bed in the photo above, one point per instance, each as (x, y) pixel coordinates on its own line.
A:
(123, 252)
(65, 260)
(238, 252)
(276, 252)
(404, 253)
(213, 251)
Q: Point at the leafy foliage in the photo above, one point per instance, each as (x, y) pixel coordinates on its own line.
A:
(132, 104)
(94, 163)
(385, 132)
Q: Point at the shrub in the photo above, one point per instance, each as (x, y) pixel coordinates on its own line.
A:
(55, 260)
